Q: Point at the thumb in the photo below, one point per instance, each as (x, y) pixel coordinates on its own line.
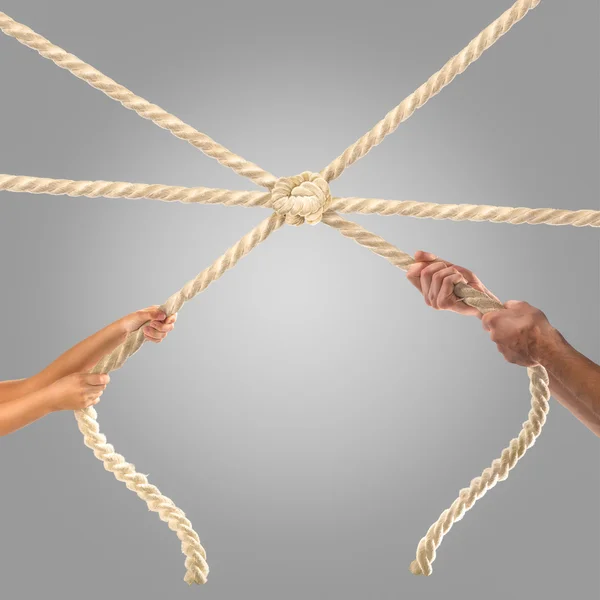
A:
(153, 313)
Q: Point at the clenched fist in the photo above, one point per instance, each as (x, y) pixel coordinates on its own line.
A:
(521, 332)
(435, 278)
(76, 391)
(158, 325)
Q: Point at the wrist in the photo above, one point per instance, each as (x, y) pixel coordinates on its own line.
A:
(548, 345)
(117, 331)
(44, 401)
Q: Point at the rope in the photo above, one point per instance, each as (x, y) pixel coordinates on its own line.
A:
(195, 562)
(129, 100)
(122, 189)
(468, 212)
(304, 198)
(455, 66)
(202, 195)
(531, 429)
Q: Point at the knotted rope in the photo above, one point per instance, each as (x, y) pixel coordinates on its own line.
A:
(304, 198)
(202, 195)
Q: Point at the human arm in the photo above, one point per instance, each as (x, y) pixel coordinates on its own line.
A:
(522, 334)
(73, 392)
(83, 356)
(525, 337)
(66, 383)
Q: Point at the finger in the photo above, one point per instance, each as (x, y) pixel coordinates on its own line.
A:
(514, 304)
(92, 401)
(426, 278)
(436, 284)
(469, 275)
(488, 321)
(447, 299)
(414, 274)
(415, 269)
(153, 335)
(95, 379)
(171, 319)
(503, 350)
(161, 326)
(513, 357)
(153, 313)
(422, 256)
(93, 395)
(94, 390)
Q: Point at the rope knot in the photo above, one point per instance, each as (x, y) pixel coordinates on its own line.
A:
(301, 198)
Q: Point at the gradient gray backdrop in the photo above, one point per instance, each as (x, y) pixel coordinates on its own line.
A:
(309, 413)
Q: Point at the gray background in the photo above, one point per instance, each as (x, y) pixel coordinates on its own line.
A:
(309, 413)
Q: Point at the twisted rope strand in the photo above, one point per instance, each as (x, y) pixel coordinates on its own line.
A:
(195, 562)
(467, 212)
(498, 471)
(455, 66)
(122, 189)
(202, 195)
(306, 201)
(129, 100)
(531, 429)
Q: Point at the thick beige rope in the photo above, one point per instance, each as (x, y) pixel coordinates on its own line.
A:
(202, 195)
(455, 66)
(129, 100)
(531, 429)
(467, 212)
(295, 200)
(123, 189)
(195, 562)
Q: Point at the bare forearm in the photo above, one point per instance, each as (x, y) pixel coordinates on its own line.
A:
(574, 380)
(15, 388)
(19, 412)
(574, 405)
(83, 356)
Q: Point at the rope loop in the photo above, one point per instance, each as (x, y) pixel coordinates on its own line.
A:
(301, 198)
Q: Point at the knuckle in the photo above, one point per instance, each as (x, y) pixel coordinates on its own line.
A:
(490, 318)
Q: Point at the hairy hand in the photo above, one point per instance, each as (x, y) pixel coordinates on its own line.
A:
(435, 278)
(522, 332)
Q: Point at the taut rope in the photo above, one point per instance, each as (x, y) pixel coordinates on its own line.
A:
(304, 198)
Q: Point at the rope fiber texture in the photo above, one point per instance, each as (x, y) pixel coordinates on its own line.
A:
(304, 198)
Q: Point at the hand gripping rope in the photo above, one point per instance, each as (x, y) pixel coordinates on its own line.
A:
(304, 198)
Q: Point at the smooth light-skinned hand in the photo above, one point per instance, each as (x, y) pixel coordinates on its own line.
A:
(158, 325)
(76, 391)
